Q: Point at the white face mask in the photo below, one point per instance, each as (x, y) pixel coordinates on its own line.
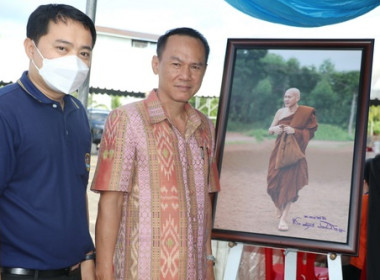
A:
(64, 74)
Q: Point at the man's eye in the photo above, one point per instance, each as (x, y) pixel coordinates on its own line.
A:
(196, 67)
(85, 54)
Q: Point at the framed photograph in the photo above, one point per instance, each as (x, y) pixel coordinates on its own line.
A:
(291, 138)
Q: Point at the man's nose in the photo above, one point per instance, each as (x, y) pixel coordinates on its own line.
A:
(185, 73)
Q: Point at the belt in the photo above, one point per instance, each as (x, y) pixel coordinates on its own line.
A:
(36, 273)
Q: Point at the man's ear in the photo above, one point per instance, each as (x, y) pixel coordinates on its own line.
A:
(29, 47)
(155, 63)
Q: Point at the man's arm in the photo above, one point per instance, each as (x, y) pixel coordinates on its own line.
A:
(87, 270)
(274, 128)
(87, 266)
(210, 264)
(106, 230)
(8, 159)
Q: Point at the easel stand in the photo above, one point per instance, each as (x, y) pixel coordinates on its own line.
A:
(233, 261)
(334, 262)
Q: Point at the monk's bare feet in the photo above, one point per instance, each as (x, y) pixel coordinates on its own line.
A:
(278, 213)
(283, 226)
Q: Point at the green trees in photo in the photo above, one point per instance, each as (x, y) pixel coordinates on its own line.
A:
(260, 79)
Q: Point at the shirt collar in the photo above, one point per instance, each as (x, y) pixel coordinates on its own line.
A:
(33, 91)
(157, 113)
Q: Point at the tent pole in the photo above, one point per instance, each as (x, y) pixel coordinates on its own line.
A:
(84, 89)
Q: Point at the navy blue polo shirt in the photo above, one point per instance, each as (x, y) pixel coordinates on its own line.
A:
(44, 168)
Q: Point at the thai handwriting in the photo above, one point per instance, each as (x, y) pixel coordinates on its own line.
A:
(318, 222)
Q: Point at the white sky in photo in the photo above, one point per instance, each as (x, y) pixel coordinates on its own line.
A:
(343, 60)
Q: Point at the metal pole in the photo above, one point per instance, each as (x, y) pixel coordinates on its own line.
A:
(84, 89)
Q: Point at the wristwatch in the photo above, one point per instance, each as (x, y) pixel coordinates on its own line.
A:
(211, 258)
(90, 256)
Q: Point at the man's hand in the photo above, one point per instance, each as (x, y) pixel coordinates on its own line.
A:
(87, 270)
(210, 271)
(276, 129)
(289, 130)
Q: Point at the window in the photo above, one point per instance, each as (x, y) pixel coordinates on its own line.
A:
(139, 43)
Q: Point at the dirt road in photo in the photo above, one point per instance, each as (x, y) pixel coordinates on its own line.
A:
(320, 213)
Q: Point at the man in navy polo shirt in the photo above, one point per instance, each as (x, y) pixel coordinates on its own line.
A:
(45, 153)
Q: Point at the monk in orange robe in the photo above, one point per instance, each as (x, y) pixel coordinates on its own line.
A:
(285, 182)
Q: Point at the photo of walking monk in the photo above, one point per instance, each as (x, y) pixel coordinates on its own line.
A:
(294, 126)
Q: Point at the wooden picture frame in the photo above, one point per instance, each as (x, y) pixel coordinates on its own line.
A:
(334, 77)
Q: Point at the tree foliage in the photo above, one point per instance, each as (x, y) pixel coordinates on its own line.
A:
(260, 79)
(374, 120)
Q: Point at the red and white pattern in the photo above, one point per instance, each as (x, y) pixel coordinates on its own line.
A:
(166, 178)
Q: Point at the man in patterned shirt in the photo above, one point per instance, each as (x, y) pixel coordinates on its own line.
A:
(156, 174)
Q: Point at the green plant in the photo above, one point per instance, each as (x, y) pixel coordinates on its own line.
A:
(374, 120)
(259, 134)
(332, 133)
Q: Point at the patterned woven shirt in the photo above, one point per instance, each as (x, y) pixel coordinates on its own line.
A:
(167, 178)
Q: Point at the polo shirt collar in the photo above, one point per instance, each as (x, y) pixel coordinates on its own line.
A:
(34, 92)
(157, 113)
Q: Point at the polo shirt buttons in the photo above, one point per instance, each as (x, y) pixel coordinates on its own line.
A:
(55, 106)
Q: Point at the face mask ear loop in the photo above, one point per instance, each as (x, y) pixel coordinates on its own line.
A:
(38, 53)
(38, 50)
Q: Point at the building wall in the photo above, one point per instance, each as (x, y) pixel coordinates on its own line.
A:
(118, 65)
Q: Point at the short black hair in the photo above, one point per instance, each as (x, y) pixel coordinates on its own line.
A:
(38, 21)
(185, 31)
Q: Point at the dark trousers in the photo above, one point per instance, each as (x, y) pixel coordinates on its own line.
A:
(351, 272)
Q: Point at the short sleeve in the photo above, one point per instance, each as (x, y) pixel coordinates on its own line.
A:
(115, 164)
